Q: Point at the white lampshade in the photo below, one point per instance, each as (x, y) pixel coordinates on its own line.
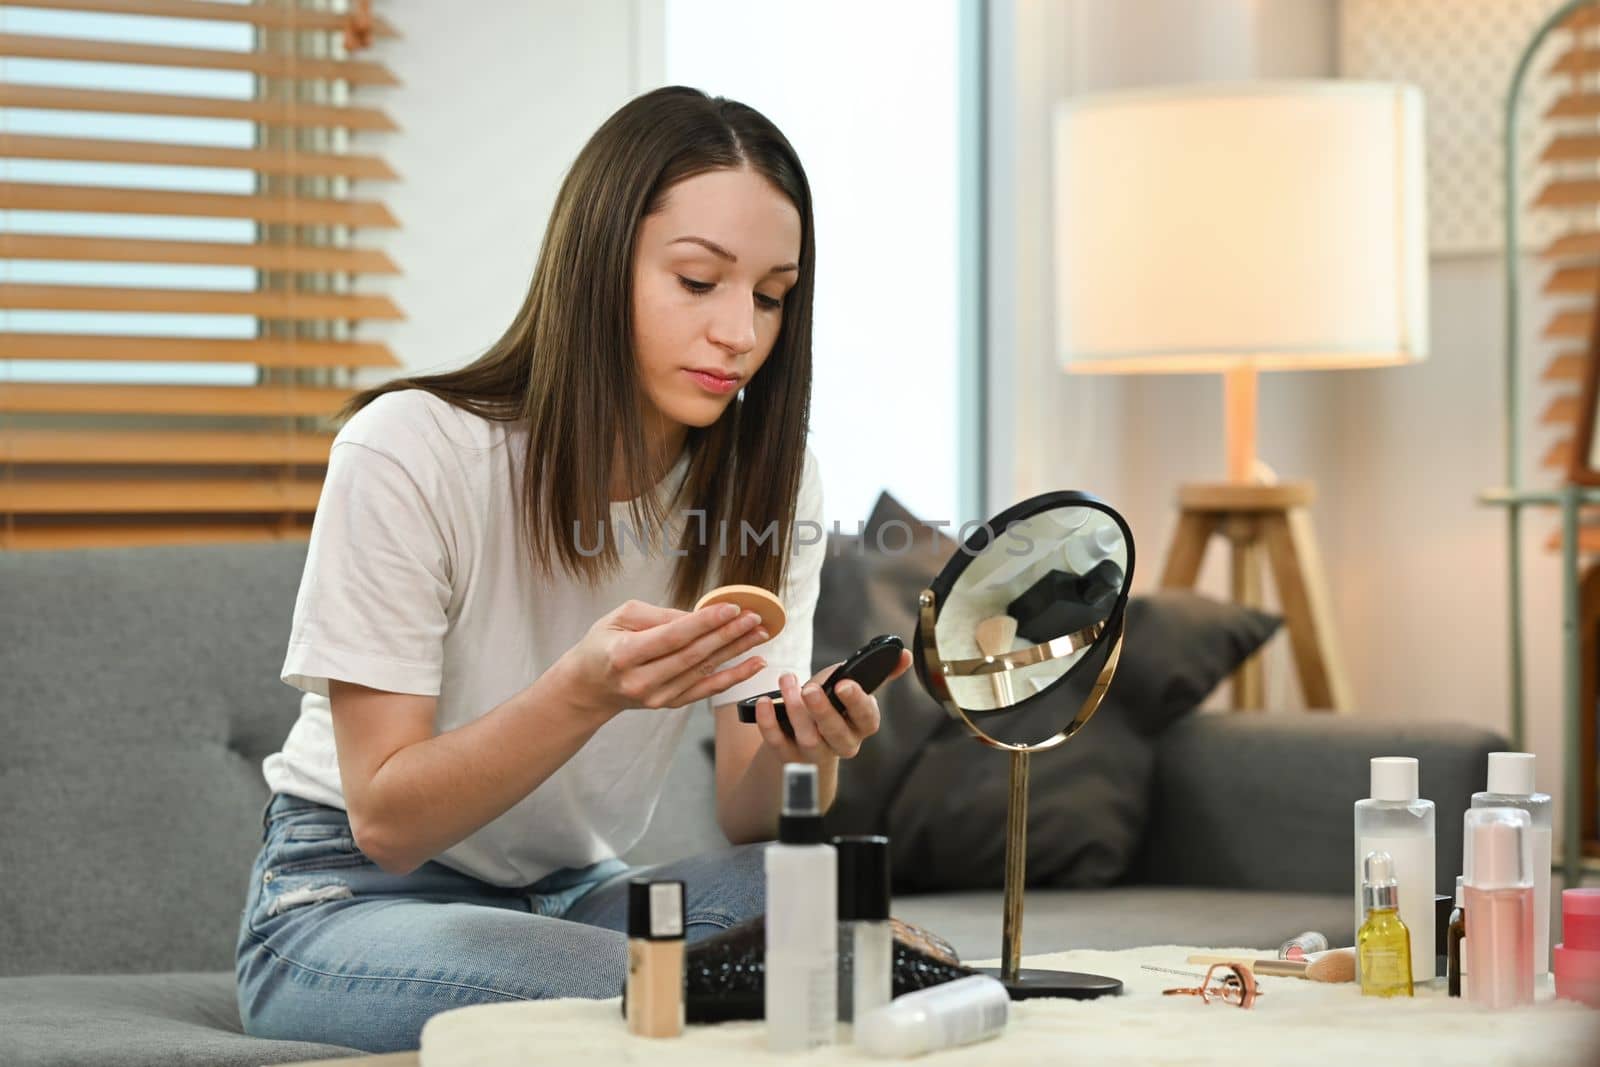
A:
(1273, 225)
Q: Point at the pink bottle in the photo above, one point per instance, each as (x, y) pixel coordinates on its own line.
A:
(1498, 894)
(1577, 958)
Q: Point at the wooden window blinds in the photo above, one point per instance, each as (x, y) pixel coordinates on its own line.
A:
(1571, 148)
(182, 254)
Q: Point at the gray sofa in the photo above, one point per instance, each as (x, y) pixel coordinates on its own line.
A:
(139, 695)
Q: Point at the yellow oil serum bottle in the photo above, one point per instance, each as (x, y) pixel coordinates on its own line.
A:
(1383, 944)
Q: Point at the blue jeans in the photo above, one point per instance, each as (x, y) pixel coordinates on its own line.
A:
(333, 949)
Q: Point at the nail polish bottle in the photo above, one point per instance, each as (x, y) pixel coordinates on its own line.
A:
(1498, 895)
(802, 928)
(866, 940)
(654, 997)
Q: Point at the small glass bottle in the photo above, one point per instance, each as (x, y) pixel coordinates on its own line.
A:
(1498, 897)
(866, 940)
(1383, 944)
(1457, 934)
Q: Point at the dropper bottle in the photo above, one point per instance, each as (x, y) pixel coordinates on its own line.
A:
(1383, 944)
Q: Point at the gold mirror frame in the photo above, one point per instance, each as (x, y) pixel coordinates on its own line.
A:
(1057, 648)
(939, 669)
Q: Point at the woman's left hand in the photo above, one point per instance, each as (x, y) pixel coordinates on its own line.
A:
(820, 732)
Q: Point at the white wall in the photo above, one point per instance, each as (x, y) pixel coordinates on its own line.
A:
(493, 108)
(1417, 567)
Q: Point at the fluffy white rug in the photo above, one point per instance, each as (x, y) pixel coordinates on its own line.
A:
(1296, 1022)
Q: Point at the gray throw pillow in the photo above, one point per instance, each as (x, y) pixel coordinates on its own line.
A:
(865, 593)
(1088, 803)
(1089, 799)
(1180, 646)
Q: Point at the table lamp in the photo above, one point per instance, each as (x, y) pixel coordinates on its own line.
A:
(1233, 229)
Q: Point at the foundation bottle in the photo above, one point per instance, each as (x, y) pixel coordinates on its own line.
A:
(654, 996)
(866, 939)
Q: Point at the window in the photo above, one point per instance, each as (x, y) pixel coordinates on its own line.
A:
(178, 253)
(881, 128)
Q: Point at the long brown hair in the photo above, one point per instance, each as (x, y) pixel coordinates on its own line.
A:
(566, 362)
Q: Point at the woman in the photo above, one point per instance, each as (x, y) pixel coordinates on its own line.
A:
(496, 673)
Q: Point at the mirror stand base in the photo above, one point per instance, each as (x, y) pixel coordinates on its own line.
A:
(1036, 982)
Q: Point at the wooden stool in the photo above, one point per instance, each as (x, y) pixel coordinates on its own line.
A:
(1254, 517)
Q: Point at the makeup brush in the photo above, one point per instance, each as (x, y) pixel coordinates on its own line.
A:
(1335, 965)
(995, 636)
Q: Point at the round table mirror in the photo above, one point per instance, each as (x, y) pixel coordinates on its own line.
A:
(1027, 609)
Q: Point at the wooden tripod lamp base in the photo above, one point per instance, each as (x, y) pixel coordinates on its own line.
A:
(1269, 520)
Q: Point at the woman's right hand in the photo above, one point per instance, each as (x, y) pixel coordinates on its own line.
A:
(644, 656)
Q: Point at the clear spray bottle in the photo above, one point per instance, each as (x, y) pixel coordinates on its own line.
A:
(802, 978)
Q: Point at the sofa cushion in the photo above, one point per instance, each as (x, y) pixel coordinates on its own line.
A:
(1089, 800)
(866, 591)
(156, 1020)
(1264, 801)
(1181, 646)
(1087, 809)
(140, 692)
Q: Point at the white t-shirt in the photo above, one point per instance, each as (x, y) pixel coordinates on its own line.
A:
(416, 582)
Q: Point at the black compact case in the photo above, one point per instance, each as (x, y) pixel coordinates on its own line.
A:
(867, 666)
(1062, 602)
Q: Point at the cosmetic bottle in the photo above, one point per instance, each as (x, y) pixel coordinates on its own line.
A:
(1443, 905)
(1498, 897)
(1383, 944)
(866, 938)
(1577, 958)
(1511, 786)
(654, 995)
(802, 979)
(1395, 820)
(1456, 934)
(945, 1016)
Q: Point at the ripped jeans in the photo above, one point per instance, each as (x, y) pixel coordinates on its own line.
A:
(334, 949)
